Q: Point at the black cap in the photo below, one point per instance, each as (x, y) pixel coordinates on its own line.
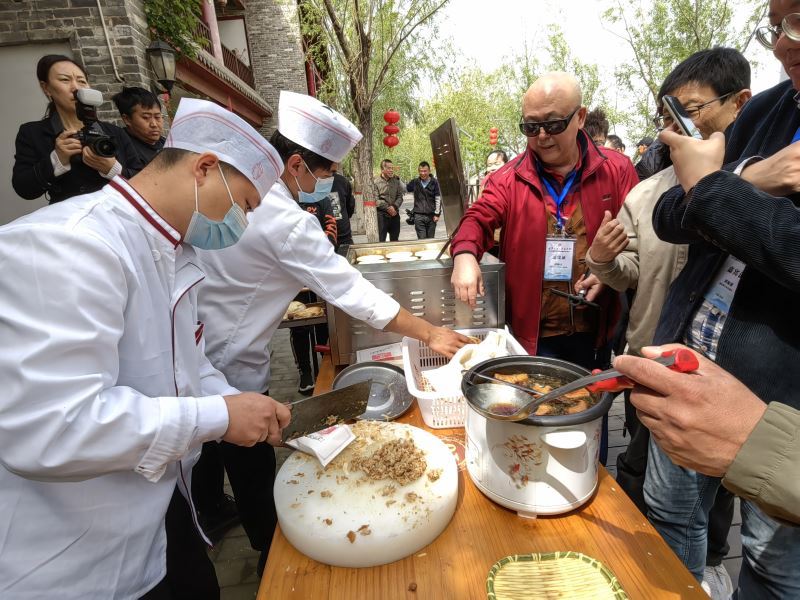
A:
(645, 141)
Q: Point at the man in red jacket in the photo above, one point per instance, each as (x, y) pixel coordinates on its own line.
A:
(549, 202)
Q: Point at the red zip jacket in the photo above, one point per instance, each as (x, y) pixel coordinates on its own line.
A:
(514, 199)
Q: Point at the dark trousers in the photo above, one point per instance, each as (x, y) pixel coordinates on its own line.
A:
(190, 573)
(304, 339)
(251, 472)
(579, 348)
(631, 469)
(425, 226)
(388, 226)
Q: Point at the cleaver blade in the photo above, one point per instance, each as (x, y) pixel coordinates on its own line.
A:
(318, 412)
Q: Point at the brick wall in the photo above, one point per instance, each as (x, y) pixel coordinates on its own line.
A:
(273, 32)
(78, 22)
(272, 26)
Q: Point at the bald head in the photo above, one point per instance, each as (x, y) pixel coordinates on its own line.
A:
(553, 103)
(555, 88)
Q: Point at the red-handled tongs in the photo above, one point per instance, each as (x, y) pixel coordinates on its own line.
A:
(611, 380)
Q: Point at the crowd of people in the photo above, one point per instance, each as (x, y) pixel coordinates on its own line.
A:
(703, 254)
(137, 315)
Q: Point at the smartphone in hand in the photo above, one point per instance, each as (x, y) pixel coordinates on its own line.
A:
(681, 117)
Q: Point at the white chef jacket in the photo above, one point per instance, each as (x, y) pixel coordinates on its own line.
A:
(105, 389)
(249, 285)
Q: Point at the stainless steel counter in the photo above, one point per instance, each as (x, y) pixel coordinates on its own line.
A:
(423, 288)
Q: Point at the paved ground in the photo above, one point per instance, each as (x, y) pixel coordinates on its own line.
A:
(236, 561)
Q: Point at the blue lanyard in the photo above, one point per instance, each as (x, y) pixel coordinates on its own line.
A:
(796, 136)
(559, 198)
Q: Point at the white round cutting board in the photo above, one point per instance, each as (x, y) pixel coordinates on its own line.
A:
(340, 517)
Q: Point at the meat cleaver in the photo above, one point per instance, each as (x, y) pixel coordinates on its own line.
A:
(318, 412)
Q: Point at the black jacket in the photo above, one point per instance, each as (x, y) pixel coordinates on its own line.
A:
(425, 197)
(323, 210)
(343, 204)
(144, 152)
(656, 158)
(760, 343)
(33, 172)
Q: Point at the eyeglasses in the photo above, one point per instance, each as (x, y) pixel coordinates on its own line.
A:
(768, 35)
(552, 127)
(663, 121)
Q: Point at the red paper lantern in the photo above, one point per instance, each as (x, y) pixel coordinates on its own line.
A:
(391, 117)
(493, 131)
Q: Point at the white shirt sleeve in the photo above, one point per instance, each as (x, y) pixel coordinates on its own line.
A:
(113, 171)
(58, 168)
(63, 414)
(309, 256)
(746, 163)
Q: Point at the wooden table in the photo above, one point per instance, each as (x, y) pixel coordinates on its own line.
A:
(455, 566)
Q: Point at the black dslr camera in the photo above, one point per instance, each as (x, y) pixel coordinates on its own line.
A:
(92, 135)
(410, 216)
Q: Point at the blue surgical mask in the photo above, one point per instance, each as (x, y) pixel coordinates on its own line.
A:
(321, 189)
(215, 235)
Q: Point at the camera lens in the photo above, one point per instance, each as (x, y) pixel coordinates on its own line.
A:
(104, 147)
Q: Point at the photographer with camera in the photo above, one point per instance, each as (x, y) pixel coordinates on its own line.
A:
(69, 152)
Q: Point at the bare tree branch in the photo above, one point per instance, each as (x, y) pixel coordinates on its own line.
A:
(338, 29)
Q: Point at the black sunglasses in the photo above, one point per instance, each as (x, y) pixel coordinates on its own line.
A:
(553, 127)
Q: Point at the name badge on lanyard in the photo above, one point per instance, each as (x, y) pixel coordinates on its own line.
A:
(559, 249)
(558, 254)
(720, 293)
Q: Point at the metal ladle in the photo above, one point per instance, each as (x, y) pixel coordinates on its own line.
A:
(491, 400)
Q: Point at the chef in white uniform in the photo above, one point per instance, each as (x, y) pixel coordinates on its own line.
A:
(107, 395)
(249, 286)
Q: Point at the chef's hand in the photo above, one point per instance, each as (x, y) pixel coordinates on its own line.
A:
(101, 164)
(611, 239)
(592, 284)
(779, 174)
(67, 146)
(254, 418)
(693, 158)
(446, 341)
(467, 279)
(699, 419)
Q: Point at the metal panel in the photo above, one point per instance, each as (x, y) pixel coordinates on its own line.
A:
(421, 287)
(450, 173)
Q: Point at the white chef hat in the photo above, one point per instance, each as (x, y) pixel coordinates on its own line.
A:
(202, 126)
(317, 127)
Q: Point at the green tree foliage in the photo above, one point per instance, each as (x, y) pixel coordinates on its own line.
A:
(479, 101)
(176, 21)
(662, 33)
(365, 46)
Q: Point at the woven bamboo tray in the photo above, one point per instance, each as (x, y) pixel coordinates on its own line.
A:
(556, 575)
